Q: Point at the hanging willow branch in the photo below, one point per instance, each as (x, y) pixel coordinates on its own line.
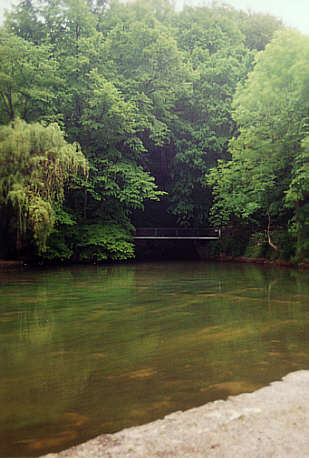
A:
(36, 164)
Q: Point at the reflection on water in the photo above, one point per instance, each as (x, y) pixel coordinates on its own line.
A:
(88, 350)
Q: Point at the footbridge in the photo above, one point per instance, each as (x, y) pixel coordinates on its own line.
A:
(174, 233)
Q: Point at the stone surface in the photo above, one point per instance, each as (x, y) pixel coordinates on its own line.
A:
(270, 422)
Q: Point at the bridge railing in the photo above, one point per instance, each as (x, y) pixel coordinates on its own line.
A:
(177, 232)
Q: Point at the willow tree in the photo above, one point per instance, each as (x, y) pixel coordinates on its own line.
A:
(37, 165)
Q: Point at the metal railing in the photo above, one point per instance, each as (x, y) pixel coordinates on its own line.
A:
(177, 233)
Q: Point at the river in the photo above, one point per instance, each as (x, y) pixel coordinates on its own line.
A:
(91, 349)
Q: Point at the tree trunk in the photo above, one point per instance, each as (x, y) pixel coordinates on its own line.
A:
(270, 243)
(85, 204)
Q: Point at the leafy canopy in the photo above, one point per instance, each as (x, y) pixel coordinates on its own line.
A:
(36, 165)
(268, 174)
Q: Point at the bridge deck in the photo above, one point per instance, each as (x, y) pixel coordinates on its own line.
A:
(174, 233)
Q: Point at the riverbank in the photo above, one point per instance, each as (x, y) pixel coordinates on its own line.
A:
(4, 265)
(270, 422)
(274, 262)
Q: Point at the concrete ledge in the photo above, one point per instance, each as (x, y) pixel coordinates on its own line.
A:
(270, 422)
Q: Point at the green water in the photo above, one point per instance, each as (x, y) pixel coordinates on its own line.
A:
(88, 350)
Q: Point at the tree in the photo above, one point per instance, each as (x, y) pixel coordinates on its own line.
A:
(213, 47)
(24, 22)
(94, 112)
(142, 57)
(145, 91)
(258, 28)
(266, 177)
(36, 165)
(297, 198)
(28, 79)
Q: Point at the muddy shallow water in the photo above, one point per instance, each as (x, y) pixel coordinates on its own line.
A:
(270, 422)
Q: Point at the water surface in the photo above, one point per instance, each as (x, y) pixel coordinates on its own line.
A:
(89, 350)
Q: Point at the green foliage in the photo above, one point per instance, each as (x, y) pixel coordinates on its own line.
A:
(36, 165)
(286, 243)
(257, 245)
(23, 22)
(129, 184)
(147, 93)
(100, 242)
(298, 190)
(145, 63)
(27, 80)
(59, 245)
(267, 178)
(213, 46)
(259, 29)
(297, 196)
(234, 240)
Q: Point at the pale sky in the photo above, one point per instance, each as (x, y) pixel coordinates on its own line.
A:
(294, 13)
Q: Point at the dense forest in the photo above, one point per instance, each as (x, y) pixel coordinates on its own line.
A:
(120, 114)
